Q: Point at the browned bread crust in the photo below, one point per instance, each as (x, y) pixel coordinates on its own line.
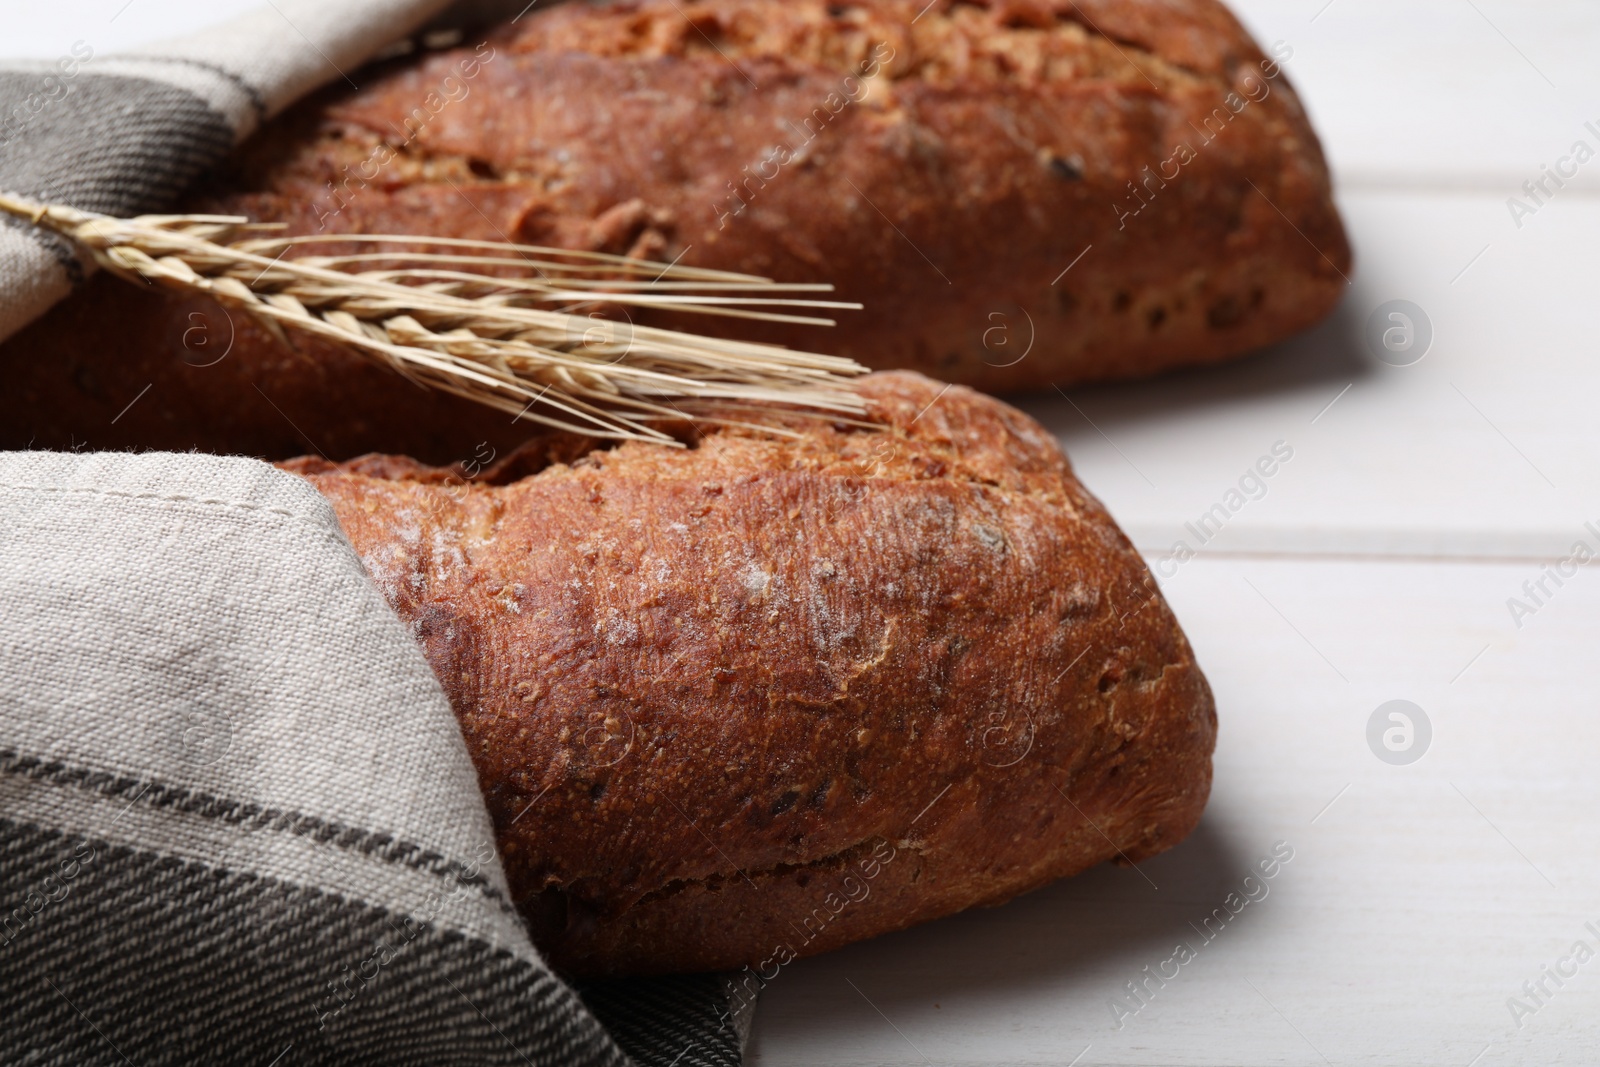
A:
(994, 145)
(769, 695)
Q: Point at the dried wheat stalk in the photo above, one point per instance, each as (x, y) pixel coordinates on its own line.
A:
(465, 320)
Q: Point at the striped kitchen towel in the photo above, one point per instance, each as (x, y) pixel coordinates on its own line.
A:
(238, 822)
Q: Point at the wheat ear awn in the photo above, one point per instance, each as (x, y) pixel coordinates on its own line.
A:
(465, 316)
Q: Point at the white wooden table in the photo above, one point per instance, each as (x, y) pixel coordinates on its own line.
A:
(1377, 566)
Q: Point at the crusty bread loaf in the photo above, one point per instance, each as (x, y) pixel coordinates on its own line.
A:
(943, 164)
(769, 695)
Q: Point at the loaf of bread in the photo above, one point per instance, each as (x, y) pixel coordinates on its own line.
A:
(768, 695)
(1020, 192)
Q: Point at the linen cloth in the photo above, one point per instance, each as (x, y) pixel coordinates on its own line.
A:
(237, 819)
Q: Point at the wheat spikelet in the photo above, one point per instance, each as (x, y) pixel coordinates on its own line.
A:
(467, 320)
